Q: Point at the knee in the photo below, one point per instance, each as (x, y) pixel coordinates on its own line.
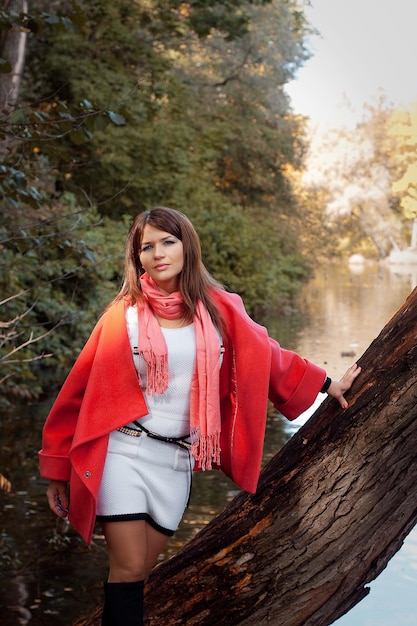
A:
(124, 576)
(127, 572)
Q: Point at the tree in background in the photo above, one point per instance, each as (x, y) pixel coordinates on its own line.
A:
(124, 105)
(355, 170)
(142, 60)
(53, 252)
(402, 132)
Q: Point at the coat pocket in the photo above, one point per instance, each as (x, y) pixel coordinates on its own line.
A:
(183, 461)
(120, 443)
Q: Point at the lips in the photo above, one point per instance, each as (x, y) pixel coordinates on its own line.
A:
(161, 267)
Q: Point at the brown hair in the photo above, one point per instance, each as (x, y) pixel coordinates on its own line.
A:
(195, 282)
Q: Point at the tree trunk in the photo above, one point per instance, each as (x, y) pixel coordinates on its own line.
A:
(331, 509)
(13, 49)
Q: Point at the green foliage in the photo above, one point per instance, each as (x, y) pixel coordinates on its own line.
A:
(37, 20)
(58, 267)
(125, 105)
(193, 106)
(250, 261)
(251, 254)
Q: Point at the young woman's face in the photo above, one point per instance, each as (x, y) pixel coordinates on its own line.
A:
(162, 256)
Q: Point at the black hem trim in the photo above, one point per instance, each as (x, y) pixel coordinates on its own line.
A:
(135, 516)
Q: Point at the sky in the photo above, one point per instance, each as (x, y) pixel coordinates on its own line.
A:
(366, 47)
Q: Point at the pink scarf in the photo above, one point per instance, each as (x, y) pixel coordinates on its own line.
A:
(205, 394)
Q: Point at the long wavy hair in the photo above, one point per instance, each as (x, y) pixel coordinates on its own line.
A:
(195, 282)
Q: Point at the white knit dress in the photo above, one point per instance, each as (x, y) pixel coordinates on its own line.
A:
(147, 479)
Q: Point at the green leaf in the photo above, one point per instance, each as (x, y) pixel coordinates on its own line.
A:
(78, 18)
(77, 137)
(18, 117)
(86, 104)
(116, 118)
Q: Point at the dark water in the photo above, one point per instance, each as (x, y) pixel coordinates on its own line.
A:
(49, 577)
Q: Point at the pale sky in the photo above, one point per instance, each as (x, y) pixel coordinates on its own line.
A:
(366, 46)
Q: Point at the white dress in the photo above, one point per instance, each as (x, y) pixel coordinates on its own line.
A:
(147, 479)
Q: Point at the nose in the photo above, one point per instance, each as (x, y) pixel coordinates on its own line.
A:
(159, 251)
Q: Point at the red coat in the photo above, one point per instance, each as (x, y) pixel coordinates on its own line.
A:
(101, 393)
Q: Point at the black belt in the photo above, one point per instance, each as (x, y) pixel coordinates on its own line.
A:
(136, 432)
(178, 441)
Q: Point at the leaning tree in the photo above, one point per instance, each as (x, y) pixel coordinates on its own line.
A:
(330, 511)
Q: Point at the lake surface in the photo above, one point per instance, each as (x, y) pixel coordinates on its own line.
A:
(49, 577)
(343, 310)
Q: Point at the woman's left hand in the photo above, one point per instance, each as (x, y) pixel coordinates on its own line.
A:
(338, 387)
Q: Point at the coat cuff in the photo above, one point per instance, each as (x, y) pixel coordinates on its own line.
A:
(305, 393)
(54, 467)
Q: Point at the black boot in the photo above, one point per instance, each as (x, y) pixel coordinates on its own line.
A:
(106, 619)
(123, 604)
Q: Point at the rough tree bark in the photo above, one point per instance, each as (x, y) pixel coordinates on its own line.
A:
(332, 508)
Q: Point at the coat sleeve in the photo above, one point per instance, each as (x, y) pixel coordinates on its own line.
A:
(294, 382)
(60, 425)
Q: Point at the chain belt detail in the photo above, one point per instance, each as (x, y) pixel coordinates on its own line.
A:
(134, 432)
(137, 432)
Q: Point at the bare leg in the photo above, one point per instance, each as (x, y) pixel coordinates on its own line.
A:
(133, 549)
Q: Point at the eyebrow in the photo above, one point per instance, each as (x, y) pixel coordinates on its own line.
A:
(145, 243)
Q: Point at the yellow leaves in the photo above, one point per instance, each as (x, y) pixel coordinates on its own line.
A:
(402, 134)
(409, 204)
(262, 69)
(184, 10)
(409, 178)
(402, 125)
(289, 171)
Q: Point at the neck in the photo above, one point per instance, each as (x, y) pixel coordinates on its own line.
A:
(176, 323)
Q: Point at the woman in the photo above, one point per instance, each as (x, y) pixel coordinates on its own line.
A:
(175, 377)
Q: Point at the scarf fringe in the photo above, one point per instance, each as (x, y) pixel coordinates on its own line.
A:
(205, 449)
(205, 418)
(157, 374)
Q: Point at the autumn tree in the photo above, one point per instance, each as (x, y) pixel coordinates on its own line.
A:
(356, 169)
(402, 134)
(176, 103)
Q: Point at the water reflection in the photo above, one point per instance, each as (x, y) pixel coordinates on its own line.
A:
(392, 599)
(343, 310)
(49, 577)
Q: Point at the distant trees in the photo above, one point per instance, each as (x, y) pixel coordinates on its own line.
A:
(402, 132)
(121, 105)
(366, 179)
(199, 102)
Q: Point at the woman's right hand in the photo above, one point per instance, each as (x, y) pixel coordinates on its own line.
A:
(57, 494)
(338, 387)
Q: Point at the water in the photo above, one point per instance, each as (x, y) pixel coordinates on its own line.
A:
(343, 311)
(49, 577)
(346, 309)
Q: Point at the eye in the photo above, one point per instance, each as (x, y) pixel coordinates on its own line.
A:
(169, 242)
(146, 248)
